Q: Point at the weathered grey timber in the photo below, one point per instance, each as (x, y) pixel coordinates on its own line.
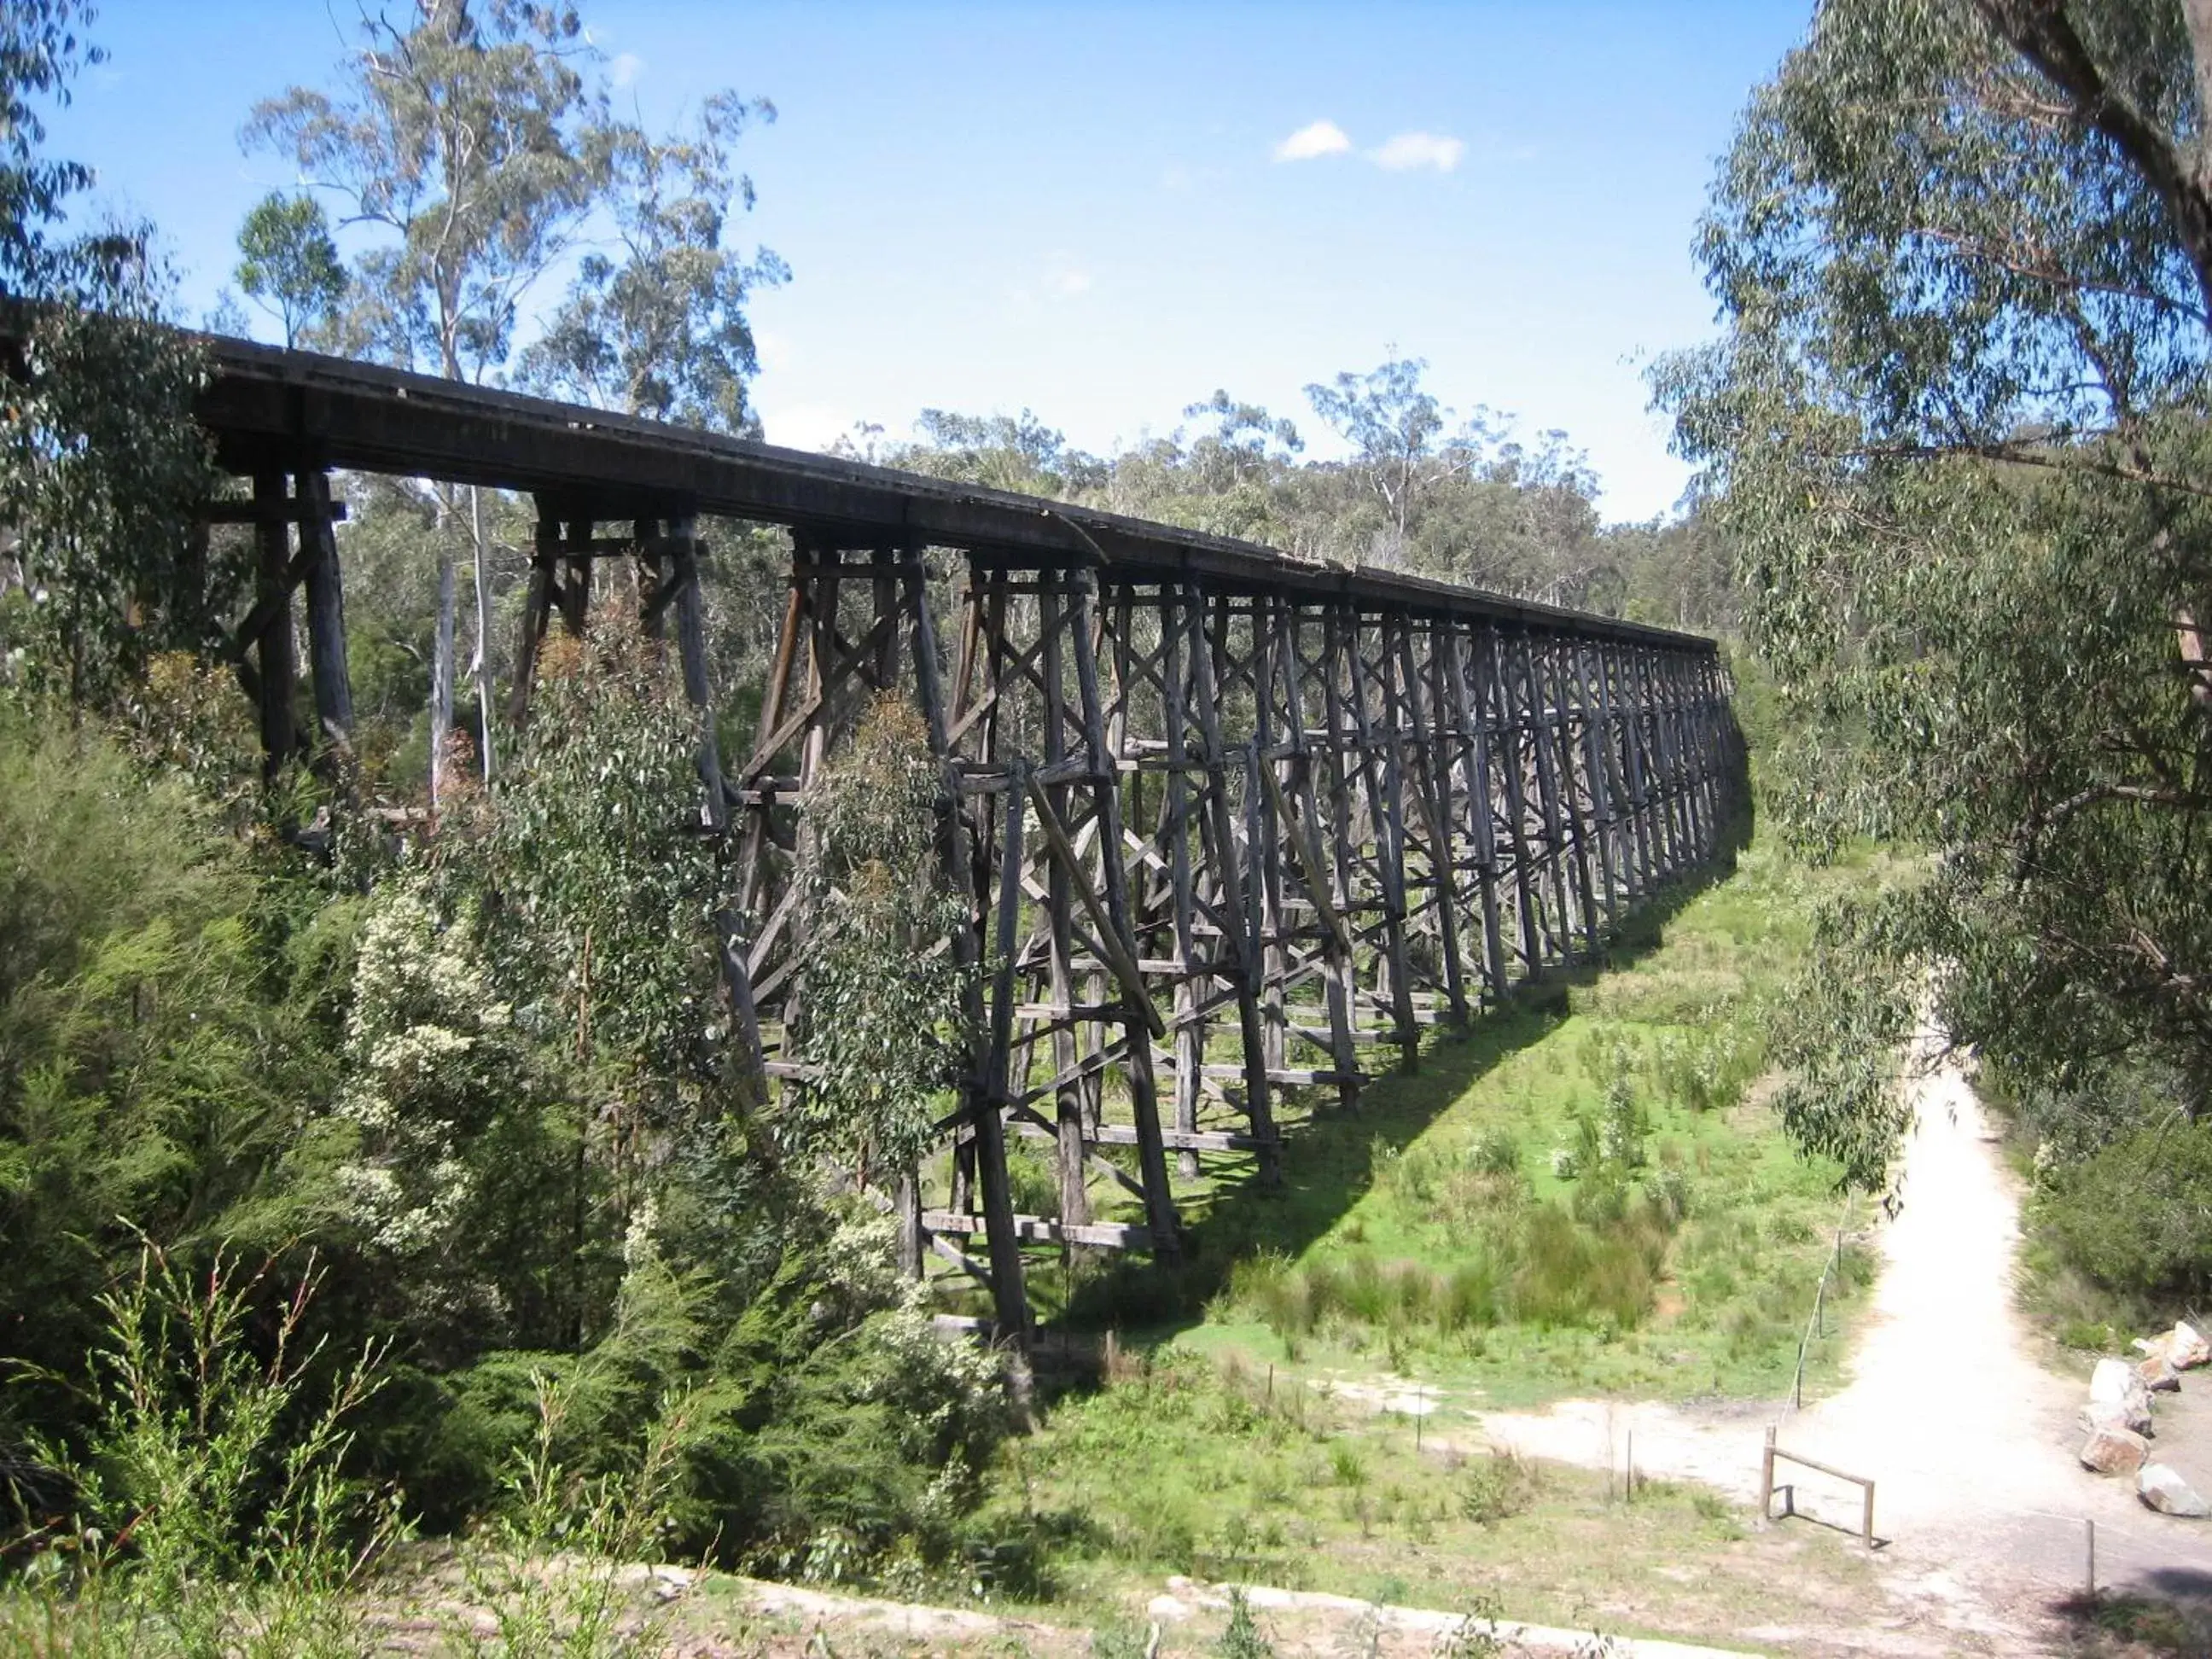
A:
(1225, 823)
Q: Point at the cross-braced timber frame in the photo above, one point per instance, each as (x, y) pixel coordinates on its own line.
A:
(1227, 824)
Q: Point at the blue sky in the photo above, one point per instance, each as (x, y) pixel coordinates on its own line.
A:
(1097, 212)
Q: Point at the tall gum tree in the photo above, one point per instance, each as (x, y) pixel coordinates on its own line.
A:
(1956, 426)
(476, 140)
(656, 325)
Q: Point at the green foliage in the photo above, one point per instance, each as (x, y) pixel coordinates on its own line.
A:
(553, 1568)
(1496, 1488)
(660, 330)
(288, 262)
(41, 52)
(1241, 1638)
(1475, 1635)
(1469, 500)
(1118, 1639)
(457, 1147)
(2132, 1214)
(155, 1056)
(1955, 432)
(471, 141)
(1534, 1263)
(882, 1023)
(211, 1514)
(99, 462)
(605, 888)
(100, 468)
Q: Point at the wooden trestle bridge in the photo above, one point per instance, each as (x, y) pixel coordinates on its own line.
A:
(1229, 824)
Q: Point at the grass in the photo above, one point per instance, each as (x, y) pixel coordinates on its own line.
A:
(1584, 1192)
(2120, 1626)
(1185, 1465)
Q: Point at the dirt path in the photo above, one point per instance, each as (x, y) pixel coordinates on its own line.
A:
(1969, 1439)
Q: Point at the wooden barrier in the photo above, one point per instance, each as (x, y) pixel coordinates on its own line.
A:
(1767, 1487)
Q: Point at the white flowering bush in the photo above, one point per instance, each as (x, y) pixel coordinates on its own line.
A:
(427, 1046)
(455, 1157)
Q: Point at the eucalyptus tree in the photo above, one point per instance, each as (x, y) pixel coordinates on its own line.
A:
(477, 139)
(288, 265)
(100, 464)
(658, 327)
(1406, 447)
(1956, 429)
(41, 52)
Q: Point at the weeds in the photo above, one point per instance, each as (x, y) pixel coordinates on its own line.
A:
(552, 1573)
(211, 1515)
(1241, 1638)
(1496, 1488)
(1475, 1635)
(1120, 1639)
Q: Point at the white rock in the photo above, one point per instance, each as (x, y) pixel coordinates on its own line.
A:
(2115, 1386)
(2185, 1348)
(2165, 1491)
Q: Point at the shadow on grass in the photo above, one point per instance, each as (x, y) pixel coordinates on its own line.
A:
(1332, 1159)
(2170, 1612)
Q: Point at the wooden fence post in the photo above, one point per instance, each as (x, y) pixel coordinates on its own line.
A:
(1766, 1476)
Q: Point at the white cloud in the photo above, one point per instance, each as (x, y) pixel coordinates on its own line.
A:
(1408, 150)
(625, 68)
(1068, 281)
(1320, 138)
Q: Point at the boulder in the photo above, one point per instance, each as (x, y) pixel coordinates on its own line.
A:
(2165, 1491)
(2158, 1374)
(2114, 1451)
(2185, 1348)
(2115, 1388)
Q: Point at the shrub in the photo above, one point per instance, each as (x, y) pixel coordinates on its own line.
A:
(1345, 1465)
(1568, 1274)
(212, 1513)
(1496, 1488)
(1242, 1640)
(1495, 1153)
(2132, 1216)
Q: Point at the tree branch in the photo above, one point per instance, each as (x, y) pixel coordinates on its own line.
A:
(2043, 34)
(2019, 453)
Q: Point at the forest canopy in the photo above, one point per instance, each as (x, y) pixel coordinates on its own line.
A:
(1955, 429)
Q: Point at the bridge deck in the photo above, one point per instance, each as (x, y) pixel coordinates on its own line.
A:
(271, 407)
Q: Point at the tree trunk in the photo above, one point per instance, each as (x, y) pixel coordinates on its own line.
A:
(441, 674)
(480, 666)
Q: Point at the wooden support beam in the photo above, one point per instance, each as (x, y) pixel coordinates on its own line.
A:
(698, 683)
(1009, 1297)
(575, 594)
(1118, 924)
(536, 610)
(1040, 1230)
(272, 617)
(326, 632)
(1227, 869)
